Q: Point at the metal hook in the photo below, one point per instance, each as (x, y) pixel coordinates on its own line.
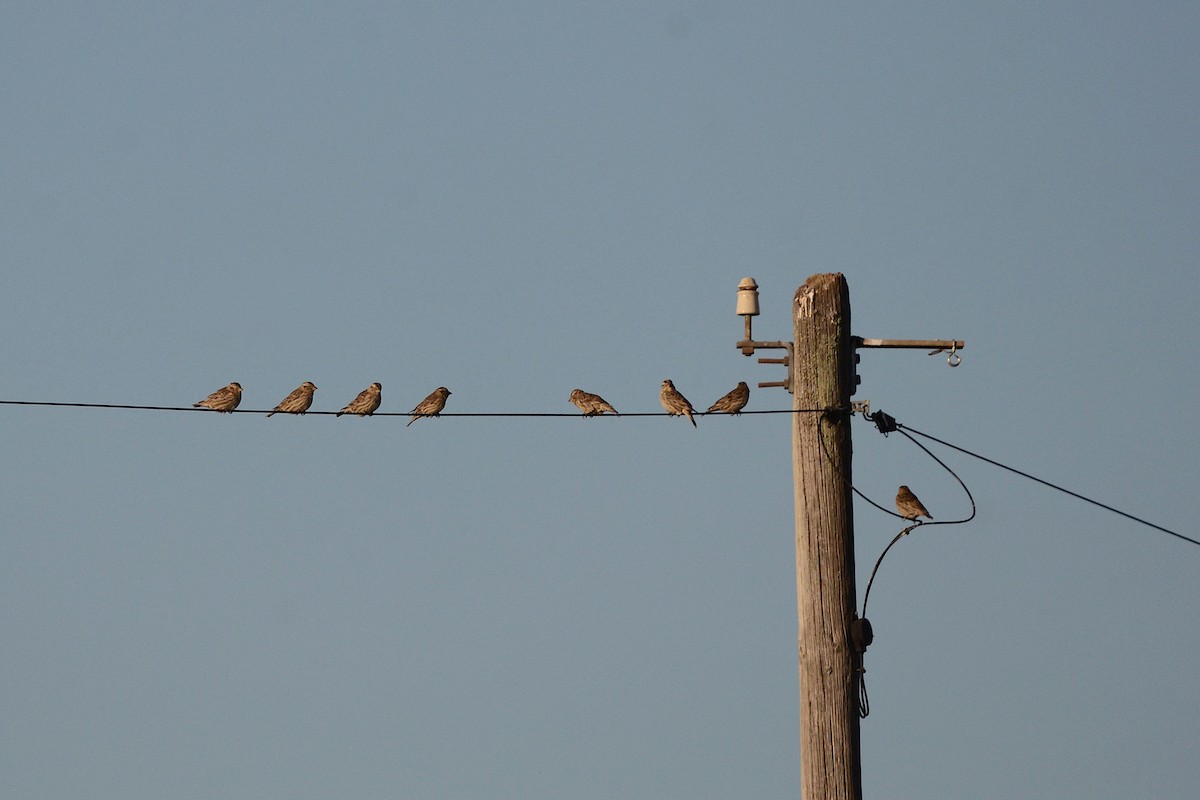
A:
(954, 359)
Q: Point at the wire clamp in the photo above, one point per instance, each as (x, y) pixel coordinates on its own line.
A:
(886, 423)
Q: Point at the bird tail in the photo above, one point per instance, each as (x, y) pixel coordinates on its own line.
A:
(691, 419)
(271, 414)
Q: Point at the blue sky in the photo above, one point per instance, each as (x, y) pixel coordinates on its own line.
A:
(516, 200)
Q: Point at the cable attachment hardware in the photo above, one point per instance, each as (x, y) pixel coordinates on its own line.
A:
(861, 637)
(861, 634)
(886, 423)
(953, 359)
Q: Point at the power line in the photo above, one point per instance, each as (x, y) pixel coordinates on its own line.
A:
(387, 413)
(1051, 485)
(538, 414)
(864, 705)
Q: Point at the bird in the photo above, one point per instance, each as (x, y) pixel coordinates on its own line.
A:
(298, 401)
(675, 403)
(591, 404)
(225, 400)
(366, 403)
(734, 402)
(432, 405)
(910, 507)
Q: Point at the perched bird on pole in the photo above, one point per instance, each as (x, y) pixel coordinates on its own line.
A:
(224, 400)
(431, 405)
(675, 403)
(909, 506)
(298, 401)
(732, 403)
(366, 403)
(591, 404)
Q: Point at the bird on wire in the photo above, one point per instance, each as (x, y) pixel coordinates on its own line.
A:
(431, 405)
(732, 403)
(909, 506)
(591, 404)
(298, 401)
(224, 400)
(366, 403)
(675, 403)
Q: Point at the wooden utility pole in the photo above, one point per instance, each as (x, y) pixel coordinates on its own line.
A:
(823, 378)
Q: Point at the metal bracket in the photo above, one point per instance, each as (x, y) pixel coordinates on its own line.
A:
(748, 346)
(922, 344)
(938, 345)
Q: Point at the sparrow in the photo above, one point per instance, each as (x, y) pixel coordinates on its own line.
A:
(366, 403)
(909, 506)
(225, 399)
(298, 401)
(732, 403)
(675, 403)
(430, 406)
(590, 404)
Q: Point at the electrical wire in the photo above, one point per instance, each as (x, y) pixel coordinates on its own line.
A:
(393, 413)
(886, 424)
(878, 417)
(864, 704)
(906, 430)
(857, 491)
(918, 524)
